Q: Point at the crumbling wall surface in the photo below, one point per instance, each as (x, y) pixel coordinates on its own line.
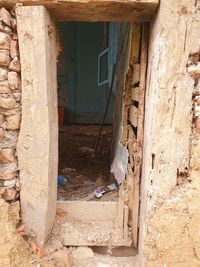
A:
(13, 249)
(10, 107)
(170, 210)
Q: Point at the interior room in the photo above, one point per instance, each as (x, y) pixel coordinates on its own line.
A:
(85, 105)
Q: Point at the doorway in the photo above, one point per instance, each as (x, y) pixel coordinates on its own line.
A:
(84, 98)
(95, 223)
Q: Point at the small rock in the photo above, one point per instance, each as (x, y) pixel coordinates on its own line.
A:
(3, 74)
(7, 103)
(4, 87)
(15, 65)
(15, 36)
(14, 51)
(197, 124)
(5, 40)
(1, 119)
(10, 183)
(4, 58)
(82, 253)
(13, 122)
(10, 194)
(10, 138)
(4, 28)
(7, 155)
(8, 171)
(14, 80)
(5, 16)
(1, 134)
(2, 190)
(17, 184)
(62, 258)
(17, 96)
(14, 23)
(194, 70)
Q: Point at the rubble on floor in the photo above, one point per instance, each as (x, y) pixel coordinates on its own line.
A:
(81, 172)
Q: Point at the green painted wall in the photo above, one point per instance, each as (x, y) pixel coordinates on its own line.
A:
(77, 72)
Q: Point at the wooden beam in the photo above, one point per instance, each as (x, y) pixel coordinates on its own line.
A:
(140, 137)
(87, 211)
(38, 139)
(133, 116)
(94, 10)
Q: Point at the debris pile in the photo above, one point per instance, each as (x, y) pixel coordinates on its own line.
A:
(79, 187)
(82, 173)
(10, 105)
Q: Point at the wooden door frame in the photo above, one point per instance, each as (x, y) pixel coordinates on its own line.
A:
(115, 213)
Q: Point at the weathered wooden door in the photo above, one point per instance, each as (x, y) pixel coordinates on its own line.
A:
(38, 140)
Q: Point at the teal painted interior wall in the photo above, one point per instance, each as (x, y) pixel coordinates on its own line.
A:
(77, 72)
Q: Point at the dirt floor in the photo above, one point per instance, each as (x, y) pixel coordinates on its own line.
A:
(82, 172)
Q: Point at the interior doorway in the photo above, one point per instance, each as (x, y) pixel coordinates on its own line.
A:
(86, 106)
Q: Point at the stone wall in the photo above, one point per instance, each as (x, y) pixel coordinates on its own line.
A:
(10, 107)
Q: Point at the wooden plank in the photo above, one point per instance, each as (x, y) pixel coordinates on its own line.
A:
(136, 74)
(88, 211)
(135, 94)
(94, 10)
(133, 116)
(135, 48)
(140, 137)
(126, 228)
(38, 139)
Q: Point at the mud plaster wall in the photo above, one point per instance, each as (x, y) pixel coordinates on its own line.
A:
(10, 105)
(170, 210)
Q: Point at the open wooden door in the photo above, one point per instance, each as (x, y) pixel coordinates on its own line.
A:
(38, 140)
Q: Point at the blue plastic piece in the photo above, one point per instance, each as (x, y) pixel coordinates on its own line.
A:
(60, 180)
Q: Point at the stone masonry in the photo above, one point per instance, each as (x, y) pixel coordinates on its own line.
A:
(10, 105)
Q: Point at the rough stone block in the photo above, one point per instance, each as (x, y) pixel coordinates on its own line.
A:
(2, 190)
(4, 87)
(82, 253)
(197, 124)
(13, 122)
(14, 23)
(1, 134)
(7, 103)
(10, 194)
(7, 155)
(14, 80)
(5, 40)
(15, 65)
(8, 171)
(5, 16)
(17, 96)
(4, 28)
(10, 139)
(14, 51)
(3, 74)
(1, 119)
(10, 183)
(194, 70)
(4, 58)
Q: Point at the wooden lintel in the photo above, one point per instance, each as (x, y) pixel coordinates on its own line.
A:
(94, 10)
